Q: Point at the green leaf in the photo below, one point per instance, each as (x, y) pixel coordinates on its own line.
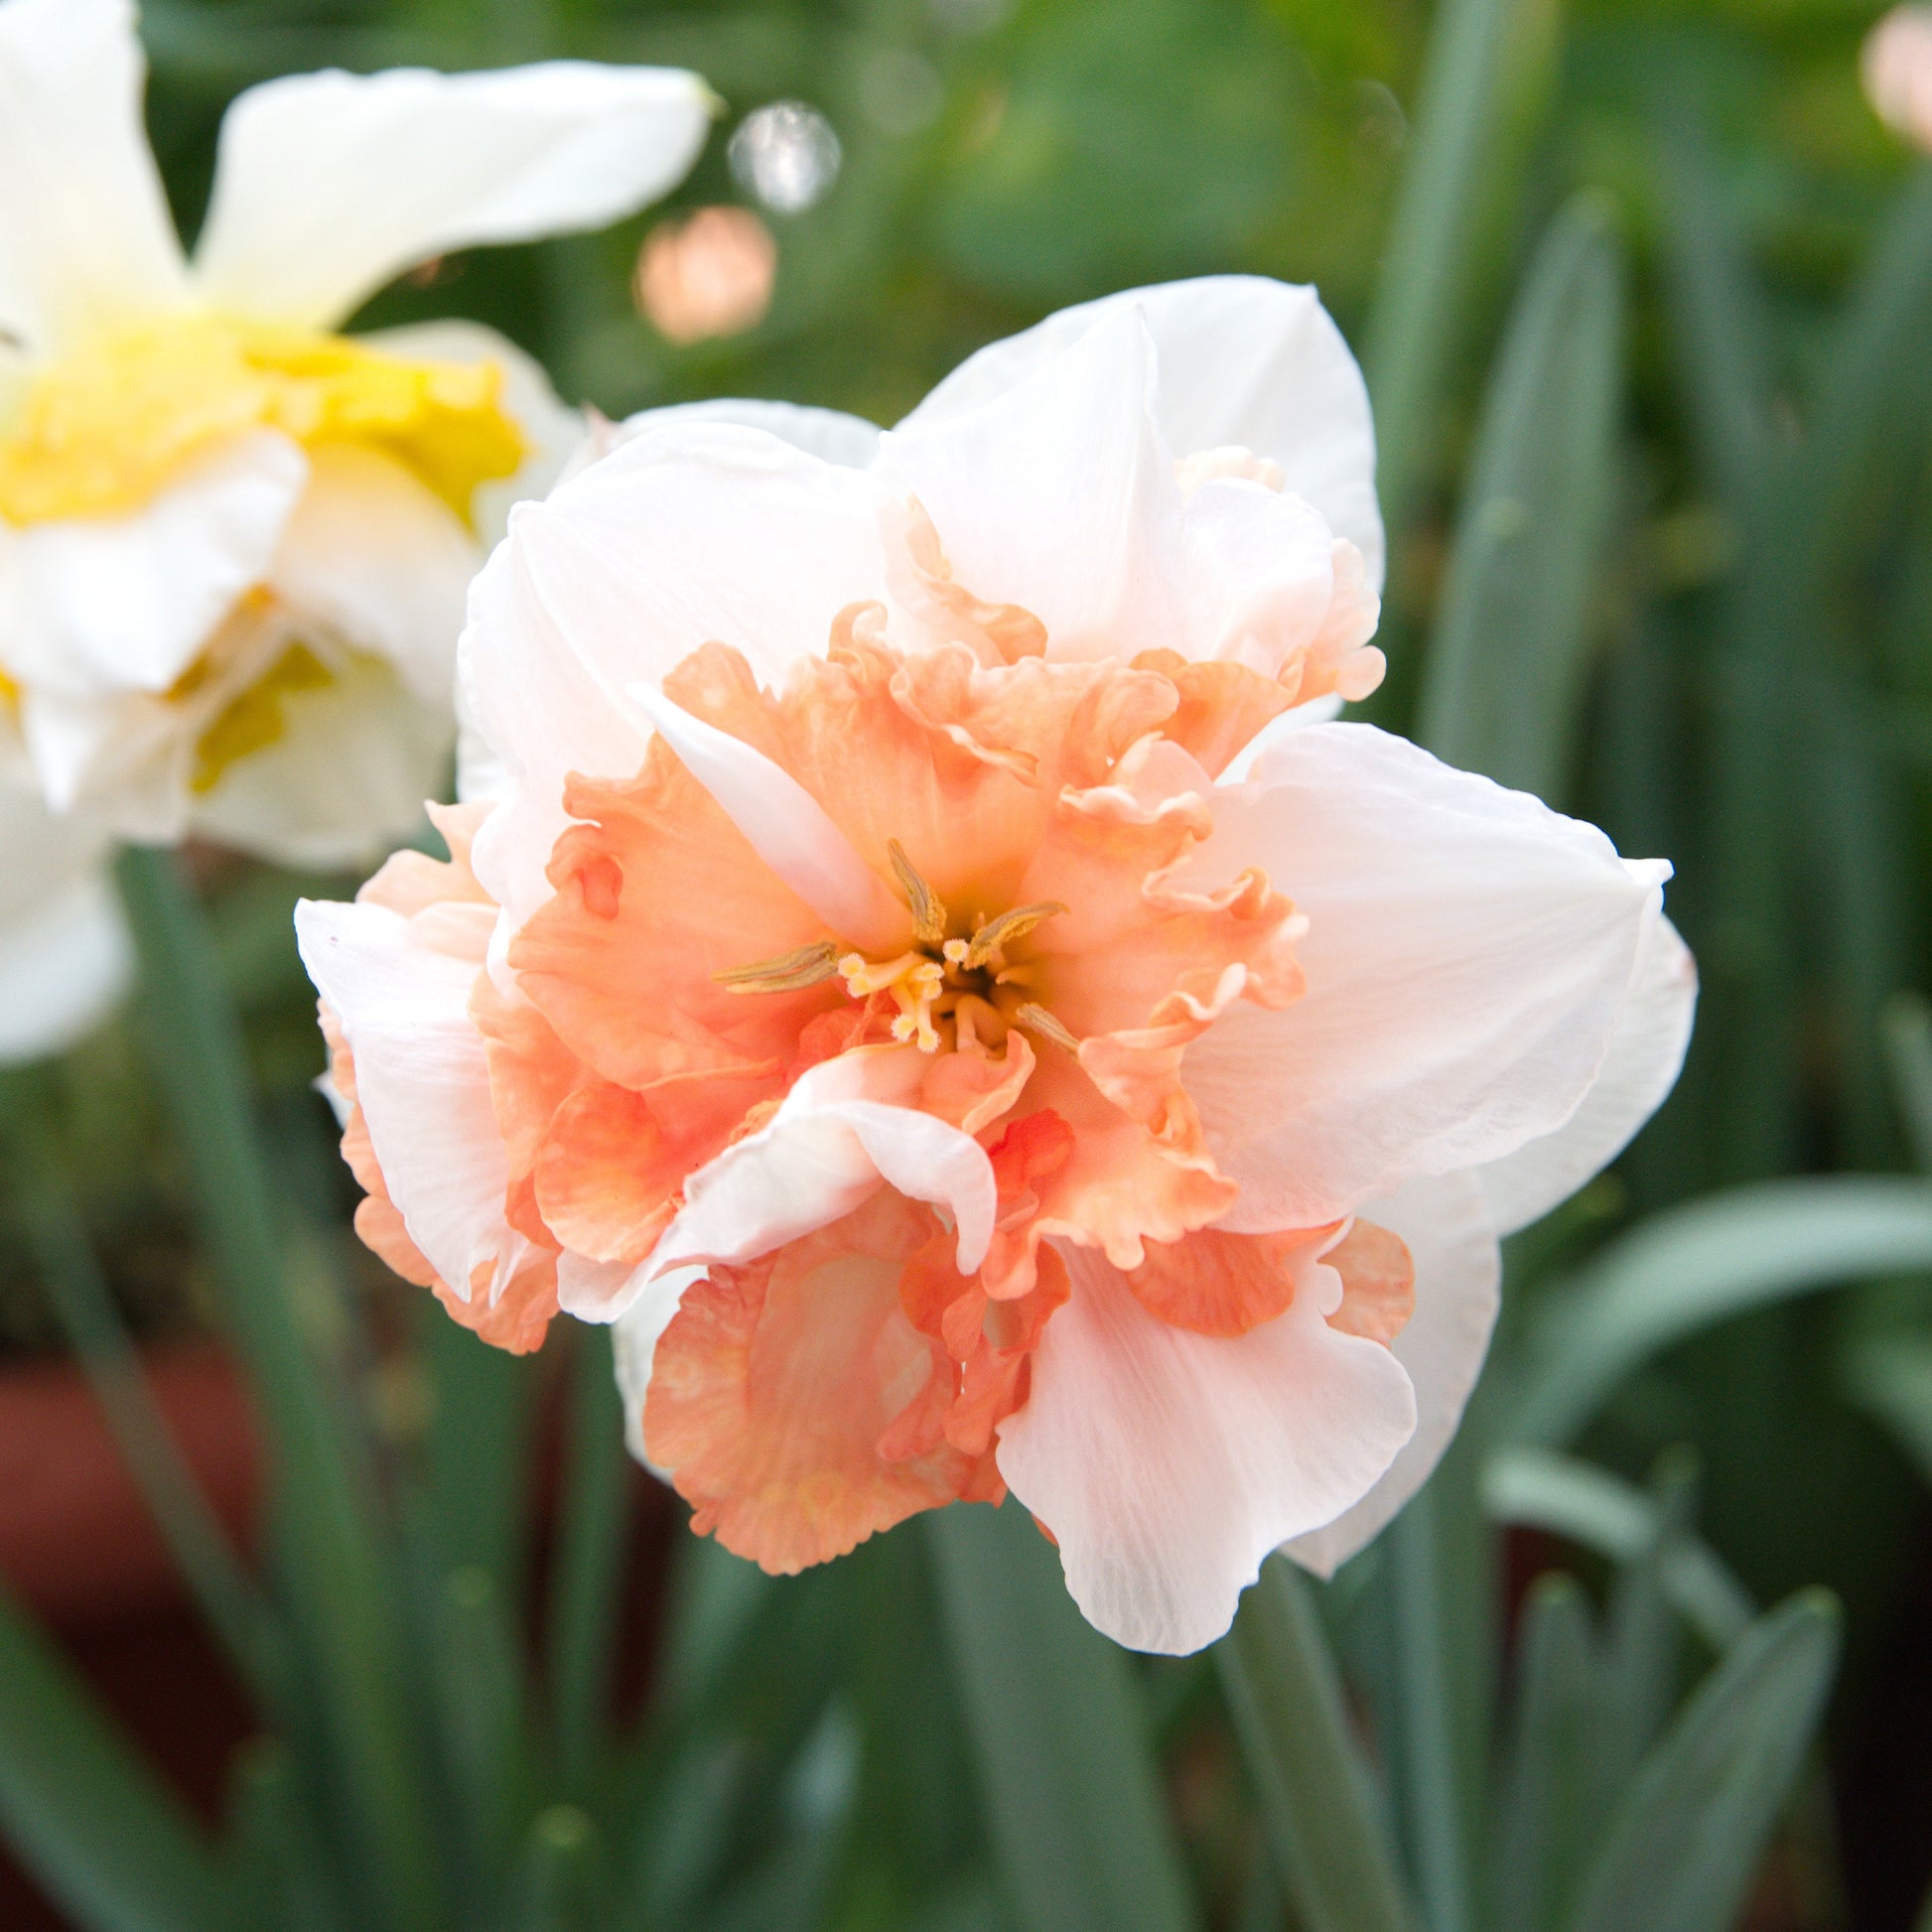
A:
(590, 1564)
(1683, 1846)
(476, 1452)
(1908, 1029)
(341, 1595)
(1890, 1376)
(1068, 1785)
(1503, 679)
(1543, 1489)
(1484, 85)
(1426, 1765)
(1548, 1812)
(1313, 1788)
(95, 1827)
(560, 1885)
(240, 1616)
(1685, 1270)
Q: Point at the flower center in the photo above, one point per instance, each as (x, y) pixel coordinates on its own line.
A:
(103, 431)
(954, 988)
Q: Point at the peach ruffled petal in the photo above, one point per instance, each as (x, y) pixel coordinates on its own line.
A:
(1220, 1283)
(1378, 1282)
(776, 1384)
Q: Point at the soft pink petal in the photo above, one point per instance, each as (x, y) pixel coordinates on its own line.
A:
(1242, 360)
(1446, 1227)
(698, 533)
(1467, 957)
(421, 1079)
(1645, 1055)
(1168, 1464)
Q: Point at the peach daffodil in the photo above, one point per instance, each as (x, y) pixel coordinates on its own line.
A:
(920, 974)
(235, 542)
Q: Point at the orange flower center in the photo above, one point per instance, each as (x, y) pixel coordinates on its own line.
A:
(956, 987)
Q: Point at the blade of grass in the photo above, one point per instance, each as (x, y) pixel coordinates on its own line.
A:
(104, 1837)
(589, 1566)
(1313, 1787)
(1069, 1790)
(341, 1592)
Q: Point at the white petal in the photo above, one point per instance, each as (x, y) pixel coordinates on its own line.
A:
(1317, 711)
(1242, 360)
(1459, 1272)
(1646, 1055)
(843, 1130)
(552, 430)
(1058, 496)
(106, 604)
(87, 241)
(421, 1079)
(785, 825)
(65, 953)
(328, 184)
(683, 536)
(376, 561)
(346, 779)
(1467, 957)
(1169, 1463)
(829, 434)
(634, 1342)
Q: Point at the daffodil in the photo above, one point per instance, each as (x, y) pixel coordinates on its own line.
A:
(65, 953)
(1897, 70)
(922, 974)
(233, 542)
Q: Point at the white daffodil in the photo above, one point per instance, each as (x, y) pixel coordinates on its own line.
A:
(234, 545)
(65, 952)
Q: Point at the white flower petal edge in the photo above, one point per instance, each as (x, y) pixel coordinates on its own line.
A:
(86, 237)
(1459, 1272)
(1466, 960)
(348, 776)
(1169, 1464)
(1243, 360)
(110, 604)
(328, 184)
(422, 1077)
(1641, 1065)
(66, 957)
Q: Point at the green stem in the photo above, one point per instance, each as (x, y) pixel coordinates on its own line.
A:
(1433, 1796)
(1317, 1798)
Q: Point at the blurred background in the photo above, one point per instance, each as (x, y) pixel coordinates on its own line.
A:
(1643, 289)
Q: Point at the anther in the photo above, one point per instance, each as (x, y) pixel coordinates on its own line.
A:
(788, 972)
(928, 913)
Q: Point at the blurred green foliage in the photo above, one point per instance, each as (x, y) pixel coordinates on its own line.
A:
(1645, 293)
